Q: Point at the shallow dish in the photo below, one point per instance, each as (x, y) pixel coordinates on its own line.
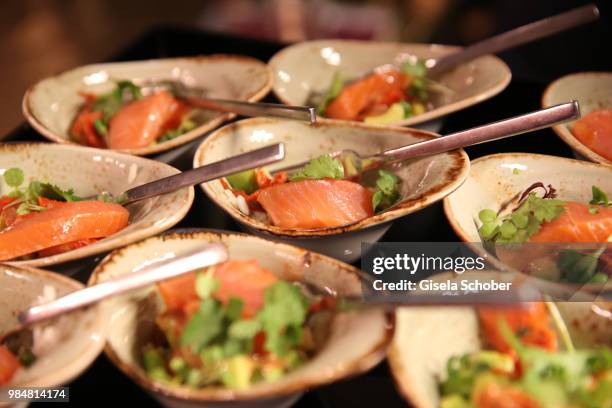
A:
(497, 178)
(426, 337)
(52, 104)
(424, 181)
(357, 340)
(80, 335)
(593, 90)
(90, 171)
(306, 68)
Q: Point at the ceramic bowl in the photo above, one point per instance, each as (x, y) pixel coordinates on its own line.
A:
(90, 171)
(497, 178)
(424, 181)
(593, 90)
(78, 338)
(426, 337)
(357, 340)
(52, 104)
(307, 68)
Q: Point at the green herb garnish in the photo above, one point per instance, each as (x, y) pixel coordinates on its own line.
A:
(387, 192)
(599, 197)
(319, 168)
(334, 89)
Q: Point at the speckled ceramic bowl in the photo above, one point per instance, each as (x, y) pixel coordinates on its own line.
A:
(307, 68)
(357, 340)
(495, 179)
(89, 172)
(424, 180)
(426, 337)
(593, 90)
(80, 335)
(52, 104)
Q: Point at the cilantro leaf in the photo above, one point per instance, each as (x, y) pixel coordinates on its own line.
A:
(282, 317)
(599, 197)
(205, 325)
(578, 267)
(111, 102)
(414, 69)
(319, 168)
(335, 87)
(13, 177)
(387, 192)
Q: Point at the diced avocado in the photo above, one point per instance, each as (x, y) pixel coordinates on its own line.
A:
(395, 113)
(152, 358)
(239, 372)
(244, 181)
(497, 361)
(418, 108)
(271, 372)
(454, 401)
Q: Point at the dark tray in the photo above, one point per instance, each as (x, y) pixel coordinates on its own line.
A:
(104, 384)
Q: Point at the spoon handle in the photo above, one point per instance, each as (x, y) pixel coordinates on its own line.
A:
(250, 160)
(518, 36)
(304, 113)
(529, 122)
(208, 255)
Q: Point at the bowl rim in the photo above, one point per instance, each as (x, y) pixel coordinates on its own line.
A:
(158, 147)
(101, 246)
(418, 119)
(365, 363)
(456, 175)
(561, 130)
(73, 368)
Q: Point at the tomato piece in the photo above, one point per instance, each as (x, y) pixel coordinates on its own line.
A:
(8, 365)
(178, 292)
(495, 395)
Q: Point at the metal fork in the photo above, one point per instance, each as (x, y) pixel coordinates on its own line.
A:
(197, 97)
(355, 164)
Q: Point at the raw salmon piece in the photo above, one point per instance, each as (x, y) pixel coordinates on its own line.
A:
(8, 365)
(530, 321)
(595, 131)
(577, 224)
(67, 223)
(244, 280)
(375, 89)
(140, 123)
(316, 203)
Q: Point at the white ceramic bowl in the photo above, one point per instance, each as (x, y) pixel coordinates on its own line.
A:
(357, 339)
(593, 90)
(90, 171)
(80, 335)
(52, 104)
(424, 181)
(308, 67)
(426, 337)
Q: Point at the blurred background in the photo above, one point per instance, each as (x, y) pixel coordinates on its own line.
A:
(39, 38)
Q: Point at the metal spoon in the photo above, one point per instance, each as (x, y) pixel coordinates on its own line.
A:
(202, 257)
(518, 36)
(356, 164)
(246, 161)
(197, 97)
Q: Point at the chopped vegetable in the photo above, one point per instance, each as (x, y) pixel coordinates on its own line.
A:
(334, 89)
(387, 192)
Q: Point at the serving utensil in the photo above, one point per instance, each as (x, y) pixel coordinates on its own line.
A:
(207, 255)
(246, 161)
(198, 97)
(518, 36)
(355, 164)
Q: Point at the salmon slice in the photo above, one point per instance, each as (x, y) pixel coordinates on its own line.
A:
(8, 365)
(142, 122)
(316, 203)
(60, 225)
(595, 131)
(381, 88)
(530, 321)
(244, 280)
(577, 224)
